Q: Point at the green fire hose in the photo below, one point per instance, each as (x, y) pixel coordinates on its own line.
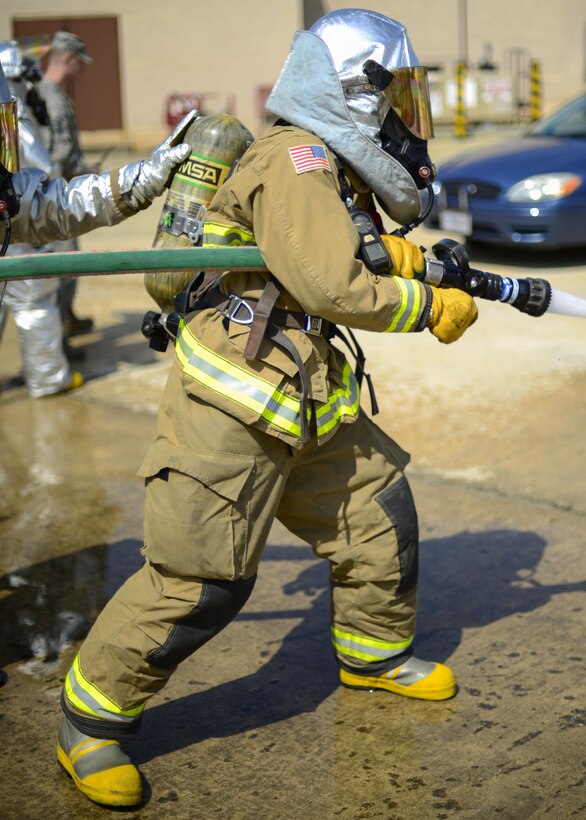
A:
(449, 269)
(96, 263)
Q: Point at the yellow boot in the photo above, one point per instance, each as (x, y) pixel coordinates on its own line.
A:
(99, 767)
(413, 679)
(77, 380)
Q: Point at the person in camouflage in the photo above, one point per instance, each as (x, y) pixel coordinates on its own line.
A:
(67, 60)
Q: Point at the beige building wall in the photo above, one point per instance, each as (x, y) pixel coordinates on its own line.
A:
(227, 48)
(231, 48)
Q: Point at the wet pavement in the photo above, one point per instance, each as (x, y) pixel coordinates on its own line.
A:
(255, 724)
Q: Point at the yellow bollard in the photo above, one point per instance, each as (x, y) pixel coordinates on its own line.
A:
(460, 119)
(535, 90)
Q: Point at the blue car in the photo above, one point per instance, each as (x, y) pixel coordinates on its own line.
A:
(529, 191)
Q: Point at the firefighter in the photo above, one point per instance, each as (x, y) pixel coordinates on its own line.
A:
(33, 302)
(261, 414)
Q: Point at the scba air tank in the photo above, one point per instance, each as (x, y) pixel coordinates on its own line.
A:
(217, 141)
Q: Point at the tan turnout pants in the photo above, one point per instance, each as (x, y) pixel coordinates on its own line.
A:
(213, 489)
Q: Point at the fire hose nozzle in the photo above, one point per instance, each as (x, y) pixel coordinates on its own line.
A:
(451, 269)
(537, 298)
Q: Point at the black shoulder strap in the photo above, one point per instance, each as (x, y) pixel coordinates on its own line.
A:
(345, 189)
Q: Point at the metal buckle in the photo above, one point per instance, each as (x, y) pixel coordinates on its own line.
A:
(312, 325)
(230, 311)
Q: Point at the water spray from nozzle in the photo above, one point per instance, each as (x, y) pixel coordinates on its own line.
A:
(565, 304)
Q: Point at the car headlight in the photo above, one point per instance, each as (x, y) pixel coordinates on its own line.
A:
(543, 188)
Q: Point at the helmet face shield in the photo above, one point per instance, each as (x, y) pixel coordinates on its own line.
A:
(9, 136)
(408, 95)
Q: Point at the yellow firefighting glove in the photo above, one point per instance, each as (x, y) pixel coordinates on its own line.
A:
(452, 312)
(406, 258)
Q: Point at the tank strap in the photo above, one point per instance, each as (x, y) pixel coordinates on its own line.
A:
(122, 206)
(355, 349)
(190, 299)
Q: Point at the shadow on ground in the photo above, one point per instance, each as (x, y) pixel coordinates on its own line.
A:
(467, 580)
(116, 344)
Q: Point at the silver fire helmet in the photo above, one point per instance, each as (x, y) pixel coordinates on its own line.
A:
(21, 58)
(11, 59)
(19, 69)
(323, 88)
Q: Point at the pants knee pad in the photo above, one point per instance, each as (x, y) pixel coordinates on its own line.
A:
(219, 603)
(399, 506)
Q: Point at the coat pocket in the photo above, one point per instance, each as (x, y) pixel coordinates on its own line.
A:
(197, 510)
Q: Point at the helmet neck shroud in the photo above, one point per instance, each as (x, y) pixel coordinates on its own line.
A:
(308, 93)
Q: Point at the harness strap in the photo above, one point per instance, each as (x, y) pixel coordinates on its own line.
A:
(202, 283)
(261, 326)
(262, 314)
(204, 292)
(264, 319)
(243, 310)
(278, 337)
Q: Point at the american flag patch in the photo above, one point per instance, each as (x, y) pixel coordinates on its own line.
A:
(309, 158)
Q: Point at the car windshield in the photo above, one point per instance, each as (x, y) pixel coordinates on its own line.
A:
(568, 122)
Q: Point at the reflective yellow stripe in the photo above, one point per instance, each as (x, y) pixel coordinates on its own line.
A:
(408, 313)
(345, 401)
(367, 649)
(88, 698)
(237, 384)
(260, 395)
(84, 748)
(214, 233)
